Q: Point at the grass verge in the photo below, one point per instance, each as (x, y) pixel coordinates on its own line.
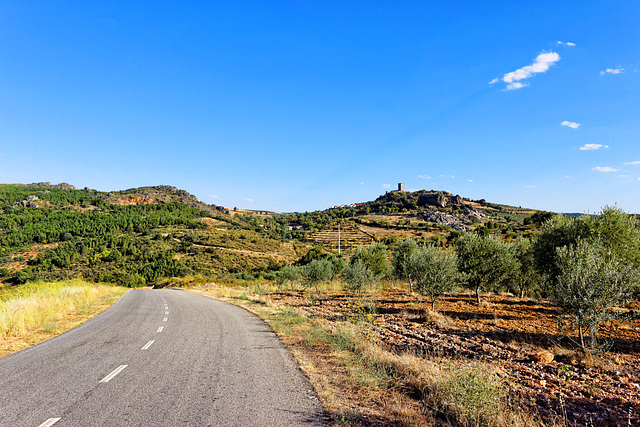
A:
(37, 311)
(361, 383)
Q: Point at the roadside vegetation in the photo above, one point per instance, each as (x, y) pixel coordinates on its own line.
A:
(36, 311)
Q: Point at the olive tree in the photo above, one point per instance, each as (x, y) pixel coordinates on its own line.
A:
(435, 271)
(358, 276)
(374, 257)
(400, 263)
(317, 271)
(590, 282)
(485, 261)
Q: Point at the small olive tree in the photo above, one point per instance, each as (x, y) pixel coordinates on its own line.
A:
(400, 263)
(374, 257)
(590, 282)
(435, 271)
(358, 276)
(287, 274)
(316, 272)
(484, 260)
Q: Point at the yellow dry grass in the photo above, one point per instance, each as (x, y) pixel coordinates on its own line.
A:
(34, 312)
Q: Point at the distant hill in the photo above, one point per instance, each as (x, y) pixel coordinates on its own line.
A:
(147, 234)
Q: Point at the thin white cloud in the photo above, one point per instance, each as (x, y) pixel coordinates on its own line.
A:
(624, 176)
(424, 177)
(604, 169)
(572, 125)
(213, 197)
(362, 183)
(618, 70)
(637, 162)
(566, 43)
(387, 186)
(587, 147)
(470, 180)
(248, 200)
(540, 65)
(530, 186)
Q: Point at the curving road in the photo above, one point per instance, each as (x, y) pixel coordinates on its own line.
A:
(158, 358)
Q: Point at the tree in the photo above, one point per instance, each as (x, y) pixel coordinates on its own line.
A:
(523, 277)
(288, 273)
(485, 261)
(400, 263)
(317, 271)
(358, 276)
(374, 257)
(590, 282)
(617, 232)
(435, 271)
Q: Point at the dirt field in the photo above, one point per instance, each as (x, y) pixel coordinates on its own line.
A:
(517, 337)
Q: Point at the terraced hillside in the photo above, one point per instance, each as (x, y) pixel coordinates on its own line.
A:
(344, 236)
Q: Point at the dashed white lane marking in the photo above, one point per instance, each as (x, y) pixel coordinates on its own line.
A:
(160, 329)
(147, 345)
(49, 422)
(166, 312)
(165, 319)
(113, 374)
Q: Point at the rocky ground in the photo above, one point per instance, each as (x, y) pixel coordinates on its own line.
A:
(519, 338)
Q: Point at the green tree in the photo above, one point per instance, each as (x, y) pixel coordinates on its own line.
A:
(618, 233)
(435, 271)
(358, 276)
(523, 277)
(485, 261)
(374, 257)
(590, 282)
(400, 263)
(316, 272)
(287, 274)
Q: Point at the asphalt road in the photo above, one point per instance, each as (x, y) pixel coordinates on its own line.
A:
(158, 358)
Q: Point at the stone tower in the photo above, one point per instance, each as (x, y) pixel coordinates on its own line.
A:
(401, 187)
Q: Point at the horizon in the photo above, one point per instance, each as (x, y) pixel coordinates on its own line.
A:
(300, 106)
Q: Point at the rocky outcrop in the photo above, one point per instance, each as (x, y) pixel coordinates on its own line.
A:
(29, 202)
(160, 194)
(61, 186)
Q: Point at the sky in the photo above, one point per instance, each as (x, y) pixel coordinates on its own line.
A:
(302, 105)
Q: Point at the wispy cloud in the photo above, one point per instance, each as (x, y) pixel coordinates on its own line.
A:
(637, 162)
(387, 186)
(213, 197)
(424, 177)
(586, 147)
(248, 200)
(530, 186)
(604, 169)
(540, 65)
(572, 125)
(618, 70)
(566, 43)
(470, 180)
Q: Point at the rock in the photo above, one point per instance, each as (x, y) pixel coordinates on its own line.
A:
(543, 356)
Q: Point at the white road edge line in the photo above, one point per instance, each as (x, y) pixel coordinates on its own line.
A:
(49, 422)
(160, 329)
(113, 374)
(147, 345)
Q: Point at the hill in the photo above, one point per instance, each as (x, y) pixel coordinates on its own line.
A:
(141, 235)
(133, 237)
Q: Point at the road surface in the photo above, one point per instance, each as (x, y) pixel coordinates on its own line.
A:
(158, 358)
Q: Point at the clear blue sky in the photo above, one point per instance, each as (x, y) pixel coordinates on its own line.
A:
(302, 105)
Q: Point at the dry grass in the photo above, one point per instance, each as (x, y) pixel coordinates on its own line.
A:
(34, 312)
